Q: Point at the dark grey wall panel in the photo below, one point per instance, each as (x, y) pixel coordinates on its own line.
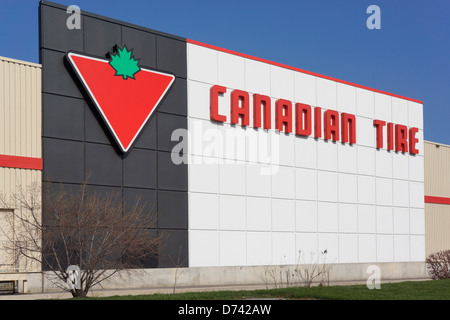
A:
(175, 249)
(55, 37)
(176, 101)
(147, 138)
(167, 123)
(103, 165)
(55, 77)
(143, 198)
(172, 209)
(77, 145)
(170, 175)
(63, 160)
(139, 169)
(101, 37)
(171, 56)
(63, 117)
(143, 44)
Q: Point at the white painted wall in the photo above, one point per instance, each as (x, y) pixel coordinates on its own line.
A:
(359, 203)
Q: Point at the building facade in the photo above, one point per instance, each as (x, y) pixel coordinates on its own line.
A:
(249, 163)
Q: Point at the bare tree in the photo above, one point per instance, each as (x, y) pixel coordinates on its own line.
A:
(98, 233)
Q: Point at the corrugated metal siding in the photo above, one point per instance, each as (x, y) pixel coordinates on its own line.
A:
(20, 132)
(20, 108)
(437, 169)
(437, 227)
(437, 184)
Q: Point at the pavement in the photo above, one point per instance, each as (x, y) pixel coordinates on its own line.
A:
(165, 290)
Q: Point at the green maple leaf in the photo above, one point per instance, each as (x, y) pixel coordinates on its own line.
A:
(124, 64)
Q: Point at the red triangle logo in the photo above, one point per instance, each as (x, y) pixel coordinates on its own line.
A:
(125, 104)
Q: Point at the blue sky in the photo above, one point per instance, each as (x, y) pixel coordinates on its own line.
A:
(408, 56)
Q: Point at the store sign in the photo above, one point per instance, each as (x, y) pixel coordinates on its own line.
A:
(125, 95)
(306, 120)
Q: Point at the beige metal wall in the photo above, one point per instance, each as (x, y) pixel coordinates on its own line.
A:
(437, 184)
(20, 120)
(20, 135)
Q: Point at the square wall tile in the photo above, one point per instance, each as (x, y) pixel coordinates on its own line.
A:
(259, 251)
(399, 111)
(365, 103)
(306, 248)
(417, 247)
(201, 241)
(257, 77)
(327, 217)
(367, 248)
(305, 88)
(306, 216)
(384, 192)
(232, 214)
(232, 177)
(346, 98)
(366, 190)
(282, 83)
(283, 215)
(233, 251)
(385, 248)
(402, 248)
(348, 248)
(385, 220)
(348, 218)
(348, 188)
(326, 94)
(283, 183)
(203, 211)
(202, 64)
(327, 185)
(305, 152)
(259, 214)
(366, 219)
(347, 158)
(383, 107)
(203, 175)
(231, 71)
(283, 248)
(305, 184)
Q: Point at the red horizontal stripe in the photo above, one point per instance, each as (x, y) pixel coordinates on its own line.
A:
(20, 162)
(297, 69)
(439, 200)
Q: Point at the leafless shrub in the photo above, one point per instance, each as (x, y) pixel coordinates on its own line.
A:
(438, 264)
(99, 233)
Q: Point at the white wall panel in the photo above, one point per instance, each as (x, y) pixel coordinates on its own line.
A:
(365, 103)
(367, 219)
(385, 248)
(383, 107)
(305, 184)
(283, 215)
(326, 94)
(306, 216)
(259, 248)
(202, 64)
(230, 71)
(282, 83)
(232, 251)
(305, 88)
(401, 248)
(399, 111)
(348, 188)
(327, 217)
(367, 248)
(199, 218)
(259, 214)
(305, 152)
(346, 98)
(327, 186)
(347, 158)
(257, 77)
(232, 214)
(348, 248)
(348, 218)
(385, 220)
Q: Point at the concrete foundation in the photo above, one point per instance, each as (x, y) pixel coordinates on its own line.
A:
(164, 280)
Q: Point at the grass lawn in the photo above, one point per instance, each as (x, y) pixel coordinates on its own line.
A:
(414, 290)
